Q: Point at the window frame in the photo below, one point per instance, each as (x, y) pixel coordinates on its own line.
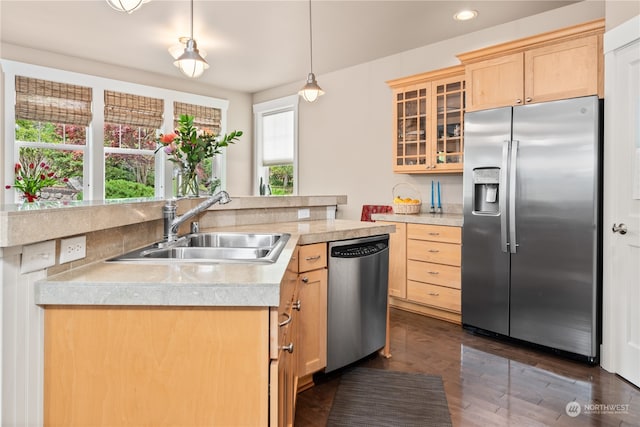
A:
(94, 163)
(260, 110)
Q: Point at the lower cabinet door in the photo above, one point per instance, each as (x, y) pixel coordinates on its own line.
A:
(311, 322)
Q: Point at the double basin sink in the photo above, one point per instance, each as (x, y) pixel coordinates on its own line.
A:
(218, 247)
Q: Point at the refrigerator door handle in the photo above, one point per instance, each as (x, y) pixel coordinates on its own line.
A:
(512, 197)
(503, 196)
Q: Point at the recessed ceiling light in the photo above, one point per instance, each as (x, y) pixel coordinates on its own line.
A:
(465, 15)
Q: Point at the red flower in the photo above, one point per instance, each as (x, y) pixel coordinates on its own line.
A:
(17, 167)
(31, 166)
(7, 187)
(50, 174)
(168, 138)
(43, 164)
(65, 179)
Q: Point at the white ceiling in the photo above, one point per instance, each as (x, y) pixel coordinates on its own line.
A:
(251, 45)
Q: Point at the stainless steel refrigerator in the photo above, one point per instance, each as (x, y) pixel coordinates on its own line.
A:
(531, 251)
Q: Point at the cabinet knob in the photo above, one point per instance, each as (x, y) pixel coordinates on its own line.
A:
(288, 348)
(518, 101)
(297, 305)
(528, 99)
(434, 251)
(305, 279)
(313, 258)
(434, 294)
(434, 272)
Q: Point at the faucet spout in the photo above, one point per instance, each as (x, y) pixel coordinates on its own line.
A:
(172, 223)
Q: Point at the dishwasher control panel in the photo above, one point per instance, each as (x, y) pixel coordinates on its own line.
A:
(358, 250)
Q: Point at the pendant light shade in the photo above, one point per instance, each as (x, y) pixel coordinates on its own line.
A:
(128, 6)
(190, 62)
(311, 90)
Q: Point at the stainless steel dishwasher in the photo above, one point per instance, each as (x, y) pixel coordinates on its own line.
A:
(356, 299)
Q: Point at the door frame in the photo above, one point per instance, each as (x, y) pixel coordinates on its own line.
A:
(614, 39)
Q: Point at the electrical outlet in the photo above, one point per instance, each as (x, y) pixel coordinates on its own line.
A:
(303, 213)
(38, 256)
(73, 249)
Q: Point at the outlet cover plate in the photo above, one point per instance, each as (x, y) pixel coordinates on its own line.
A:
(73, 249)
(303, 213)
(38, 256)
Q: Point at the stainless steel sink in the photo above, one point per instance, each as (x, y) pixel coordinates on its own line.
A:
(221, 247)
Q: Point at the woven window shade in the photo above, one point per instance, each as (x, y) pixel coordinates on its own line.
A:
(47, 101)
(133, 110)
(203, 117)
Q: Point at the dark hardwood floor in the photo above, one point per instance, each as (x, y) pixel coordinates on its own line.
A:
(489, 382)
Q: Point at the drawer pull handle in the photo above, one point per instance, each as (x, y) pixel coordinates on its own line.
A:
(313, 258)
(288, 348)
(297, 305)
(434, 251)
(287, 321)
(434, 272)
(434, 234)
(305, 279)
(434, 294)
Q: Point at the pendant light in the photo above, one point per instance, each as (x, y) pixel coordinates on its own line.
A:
(190, 62)
(311, 90)
(128, 6)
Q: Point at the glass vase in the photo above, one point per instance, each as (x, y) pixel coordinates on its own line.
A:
(186, 181)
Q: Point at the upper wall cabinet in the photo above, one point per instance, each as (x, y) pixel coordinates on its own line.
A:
(561, 64)
(428, 111)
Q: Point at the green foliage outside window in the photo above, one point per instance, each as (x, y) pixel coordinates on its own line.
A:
(281, 179)
(137, 170)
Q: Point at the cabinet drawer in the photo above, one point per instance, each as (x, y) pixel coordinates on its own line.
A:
(440, 253)
(436, 274)
(312, 257)
(435, 233)
(437, 296)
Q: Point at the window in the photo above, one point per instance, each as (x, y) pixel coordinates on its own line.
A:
(276, 124)
(50, 128)
(100, 133)
(130, 126)
(203, 118)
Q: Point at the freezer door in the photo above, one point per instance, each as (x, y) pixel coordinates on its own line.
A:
(554, 271)
(485, 259)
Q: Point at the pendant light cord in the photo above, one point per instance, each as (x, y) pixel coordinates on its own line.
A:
(310, 38)
(191, 19)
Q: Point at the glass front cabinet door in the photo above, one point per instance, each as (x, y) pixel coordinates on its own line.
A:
(428, 122)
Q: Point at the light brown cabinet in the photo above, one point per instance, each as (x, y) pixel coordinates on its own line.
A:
(397, 260)
(431, 257)
(428, 111)
(284, 351)
(312, 316)
(557, 65)
(127, 365)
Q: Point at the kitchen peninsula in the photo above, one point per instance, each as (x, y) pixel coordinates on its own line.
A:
(204, 342)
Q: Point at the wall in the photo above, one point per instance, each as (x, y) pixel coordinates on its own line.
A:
(619, 11)
(345, 137)
(239, 158)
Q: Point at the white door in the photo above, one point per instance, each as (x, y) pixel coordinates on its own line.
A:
(621, 240)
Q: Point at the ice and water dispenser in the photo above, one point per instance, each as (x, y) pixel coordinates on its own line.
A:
(486, 197)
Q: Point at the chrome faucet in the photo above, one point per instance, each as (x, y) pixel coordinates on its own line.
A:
(171, 222)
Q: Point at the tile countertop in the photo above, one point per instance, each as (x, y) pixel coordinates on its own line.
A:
(195, 284)
(451, 219)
